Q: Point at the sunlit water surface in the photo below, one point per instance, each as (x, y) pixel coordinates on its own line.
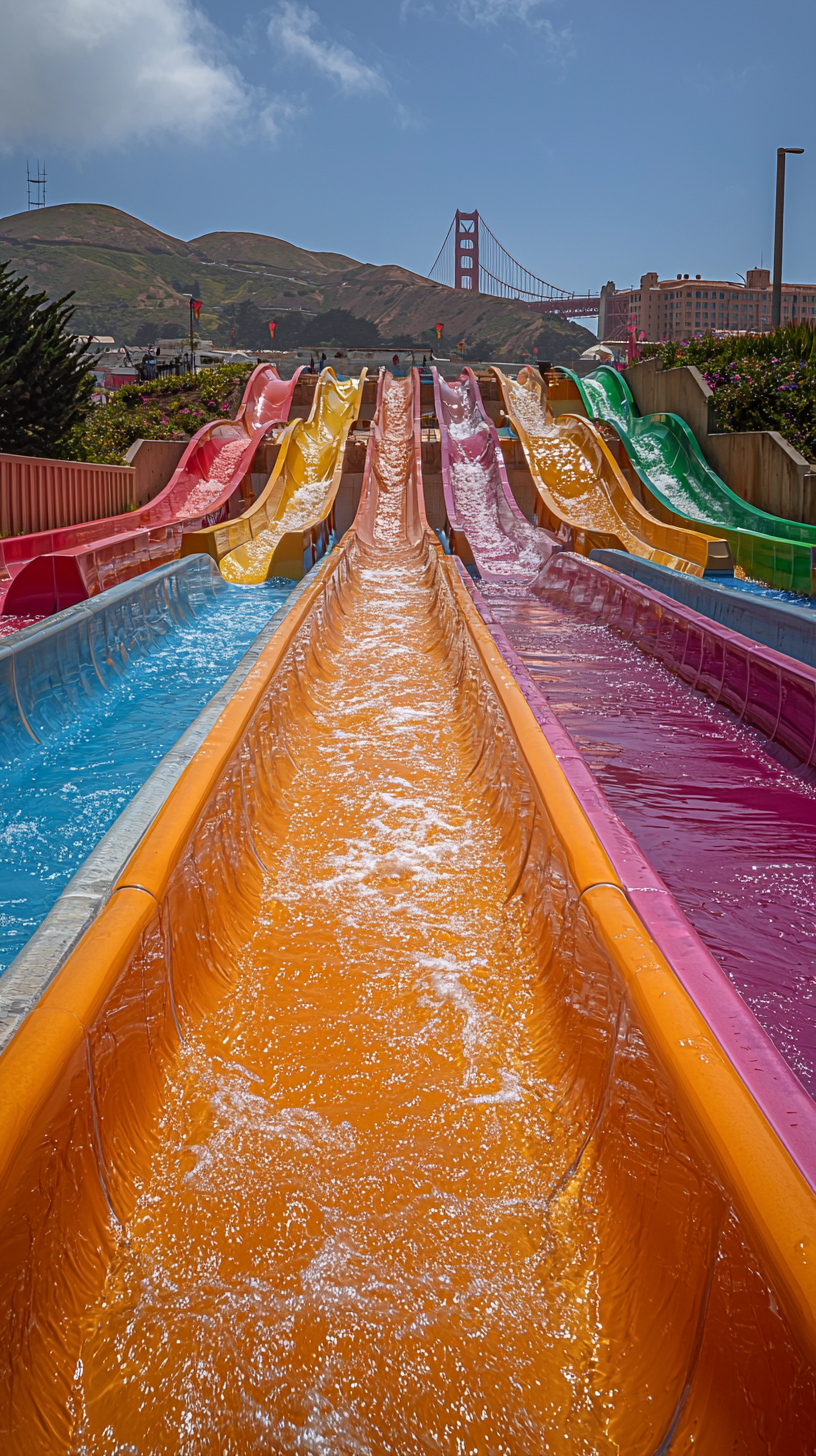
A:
(61, 796)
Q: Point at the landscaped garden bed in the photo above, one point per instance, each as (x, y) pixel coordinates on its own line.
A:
(760, 381)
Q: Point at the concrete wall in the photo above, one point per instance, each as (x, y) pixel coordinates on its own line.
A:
(154, 462)
(758, 465)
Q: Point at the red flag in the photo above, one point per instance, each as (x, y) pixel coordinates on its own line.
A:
(439, 328)
(272, 327)
(195, 307)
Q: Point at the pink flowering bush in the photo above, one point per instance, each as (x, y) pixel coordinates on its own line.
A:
(166, 409)
(760, 381)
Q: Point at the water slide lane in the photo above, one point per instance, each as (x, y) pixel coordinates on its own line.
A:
(50, 570)
(705, 800)
(289, 525)
(679, 484)
(368, 1112)
(90, 702)
(583, 494)
(484, 524)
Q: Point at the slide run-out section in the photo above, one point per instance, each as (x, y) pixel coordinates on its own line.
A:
(730, 829)
(51, 570)
(583, 495)
(90, 702)
(368, 1116)
(290, 524)
(678, 484)
(484, 524)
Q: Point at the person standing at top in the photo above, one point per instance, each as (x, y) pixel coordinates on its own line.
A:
(323, 360)
(395, 361)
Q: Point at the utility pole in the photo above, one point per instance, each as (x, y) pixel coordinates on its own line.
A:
(776, 296)
(195, 310)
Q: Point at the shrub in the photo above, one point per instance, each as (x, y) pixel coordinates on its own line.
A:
(161, 410)
(760, 381)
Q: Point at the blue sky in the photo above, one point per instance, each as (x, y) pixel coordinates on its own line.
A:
(598, 140)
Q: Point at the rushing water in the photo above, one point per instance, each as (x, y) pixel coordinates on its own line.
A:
(344, 1243)
(502, 543)
(61, 796)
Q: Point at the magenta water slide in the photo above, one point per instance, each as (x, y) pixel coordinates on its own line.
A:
(709, 765)
(46, 571)
(484, 524)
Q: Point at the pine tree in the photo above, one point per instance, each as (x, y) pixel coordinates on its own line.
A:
(45, 387)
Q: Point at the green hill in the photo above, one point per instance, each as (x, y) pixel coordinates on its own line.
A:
(130, 281)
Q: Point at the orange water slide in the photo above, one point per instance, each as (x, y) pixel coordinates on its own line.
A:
(367, 1116)
(582, 493)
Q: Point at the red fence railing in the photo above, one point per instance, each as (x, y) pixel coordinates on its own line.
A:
(41, 495)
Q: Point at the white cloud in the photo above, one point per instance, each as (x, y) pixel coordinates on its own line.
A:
(485, 12)
(291, 28)
(97, 73)
(488, 12)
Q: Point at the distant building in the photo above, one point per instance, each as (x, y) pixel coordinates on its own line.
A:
(681, 307)
(94, 343)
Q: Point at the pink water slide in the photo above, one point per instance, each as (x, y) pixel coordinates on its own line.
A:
(48, 570)
(484, 524)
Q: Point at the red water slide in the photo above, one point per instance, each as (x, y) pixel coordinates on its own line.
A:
(48, 570)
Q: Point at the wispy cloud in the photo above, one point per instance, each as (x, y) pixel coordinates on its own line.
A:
(93, 74)
(485, 13)
(490, 12)
(292, 27)
(482, 12)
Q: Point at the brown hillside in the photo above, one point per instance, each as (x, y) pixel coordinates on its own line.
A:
(130, 280)
(93, 225)
(255, 248)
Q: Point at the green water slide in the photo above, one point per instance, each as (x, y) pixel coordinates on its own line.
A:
(677, 481)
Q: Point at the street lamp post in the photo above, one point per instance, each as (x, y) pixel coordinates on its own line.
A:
(776, 296)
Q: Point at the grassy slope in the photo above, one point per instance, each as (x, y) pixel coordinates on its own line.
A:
(123, 270)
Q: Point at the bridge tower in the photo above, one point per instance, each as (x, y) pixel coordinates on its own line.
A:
(466, 250)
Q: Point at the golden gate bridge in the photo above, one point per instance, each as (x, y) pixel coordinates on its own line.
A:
(471, 257)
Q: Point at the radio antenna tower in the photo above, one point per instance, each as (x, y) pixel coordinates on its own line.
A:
(38, 183)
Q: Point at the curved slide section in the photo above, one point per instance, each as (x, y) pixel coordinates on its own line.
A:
(583, 494)
(289, 525)
(679, 484)
(484, 524)
(50, 570)
(368, 1064)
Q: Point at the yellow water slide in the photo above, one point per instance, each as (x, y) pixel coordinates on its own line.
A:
(583, 494)
(287, 528)
(367, 1116)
